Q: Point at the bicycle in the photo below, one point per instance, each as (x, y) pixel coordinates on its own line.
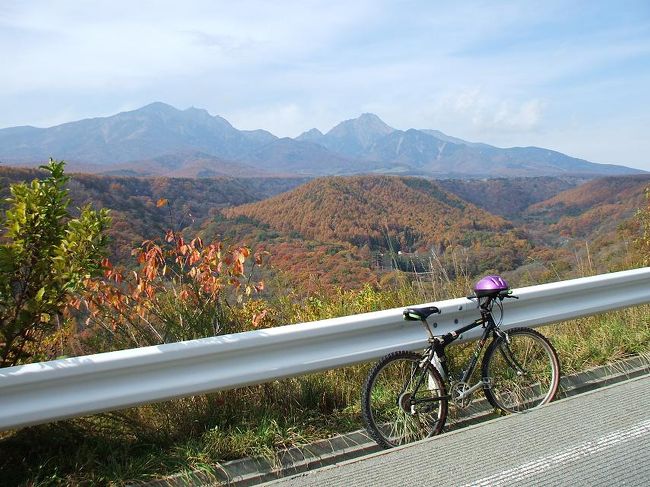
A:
(405, 396)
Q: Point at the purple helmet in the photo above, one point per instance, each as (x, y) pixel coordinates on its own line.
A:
(490, 285)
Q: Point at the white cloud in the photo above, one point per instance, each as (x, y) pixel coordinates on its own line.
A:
(111, 43)
(486, 114)
(290, 117)
(523, 116)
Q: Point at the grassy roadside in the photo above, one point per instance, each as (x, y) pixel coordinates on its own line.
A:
(196, 433)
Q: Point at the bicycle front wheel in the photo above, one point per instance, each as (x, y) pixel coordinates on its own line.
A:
(521, 371)
(403, 402)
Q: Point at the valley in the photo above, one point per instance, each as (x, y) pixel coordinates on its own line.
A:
(346, 232)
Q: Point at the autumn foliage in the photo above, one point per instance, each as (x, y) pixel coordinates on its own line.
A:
(643, 219)
(593, 208)
(390, 214)
(180, 290)
(135, 213)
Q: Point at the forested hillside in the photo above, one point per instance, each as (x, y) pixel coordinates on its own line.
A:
(592, 211)
(598, 204)
(391, 214)
(134, 201)
(295, 262)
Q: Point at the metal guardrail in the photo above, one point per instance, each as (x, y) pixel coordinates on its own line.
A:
(47, 391)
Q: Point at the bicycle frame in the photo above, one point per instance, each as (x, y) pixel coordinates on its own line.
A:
(436, 351)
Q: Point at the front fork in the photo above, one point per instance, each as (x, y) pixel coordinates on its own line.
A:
(504, 348)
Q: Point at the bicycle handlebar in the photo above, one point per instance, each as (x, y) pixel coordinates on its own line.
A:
(501, 295)
(512, 296)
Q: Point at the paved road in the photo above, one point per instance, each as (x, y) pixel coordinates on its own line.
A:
(598, 438)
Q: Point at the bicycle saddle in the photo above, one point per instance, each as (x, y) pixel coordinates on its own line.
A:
(419, 314)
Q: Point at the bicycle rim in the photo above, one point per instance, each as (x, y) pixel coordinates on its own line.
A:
(390, 418)
(522, 372)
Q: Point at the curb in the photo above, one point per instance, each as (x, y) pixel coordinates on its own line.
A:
(253, 471)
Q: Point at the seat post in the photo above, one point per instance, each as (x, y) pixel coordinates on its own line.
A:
(428, 328)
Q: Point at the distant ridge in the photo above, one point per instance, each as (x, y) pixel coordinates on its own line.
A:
(364, 145)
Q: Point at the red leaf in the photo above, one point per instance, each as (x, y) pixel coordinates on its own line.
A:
(259, 317)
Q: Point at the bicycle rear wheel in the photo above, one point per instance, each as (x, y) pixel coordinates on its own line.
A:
(402, 402)
(522, 371)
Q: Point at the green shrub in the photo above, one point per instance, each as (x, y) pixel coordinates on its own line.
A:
(45, 257)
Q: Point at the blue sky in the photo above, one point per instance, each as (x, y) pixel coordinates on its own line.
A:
(570, 76)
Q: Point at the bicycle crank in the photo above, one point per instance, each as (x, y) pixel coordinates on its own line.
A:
(461, 394)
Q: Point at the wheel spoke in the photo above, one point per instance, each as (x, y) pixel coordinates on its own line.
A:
(523, 374)
(393, 400)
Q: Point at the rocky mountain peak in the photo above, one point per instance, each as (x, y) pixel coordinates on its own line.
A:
(313, 135)
(157, 107)
(365, 124)
(352, 137)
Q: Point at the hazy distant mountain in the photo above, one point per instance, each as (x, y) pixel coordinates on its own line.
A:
(298, 157)
(158, 137)
(426, 154)
(454, 140)
(412, 147)
(313, 135)
(259, 136)
(433, 153)
(151, 131)
(354, 137)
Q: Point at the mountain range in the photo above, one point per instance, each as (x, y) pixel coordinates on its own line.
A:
(159, 139)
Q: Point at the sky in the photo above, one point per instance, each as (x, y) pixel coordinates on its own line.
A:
(572, 76)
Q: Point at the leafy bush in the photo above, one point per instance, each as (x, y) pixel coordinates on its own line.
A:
(181, 290)
(45, 256)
